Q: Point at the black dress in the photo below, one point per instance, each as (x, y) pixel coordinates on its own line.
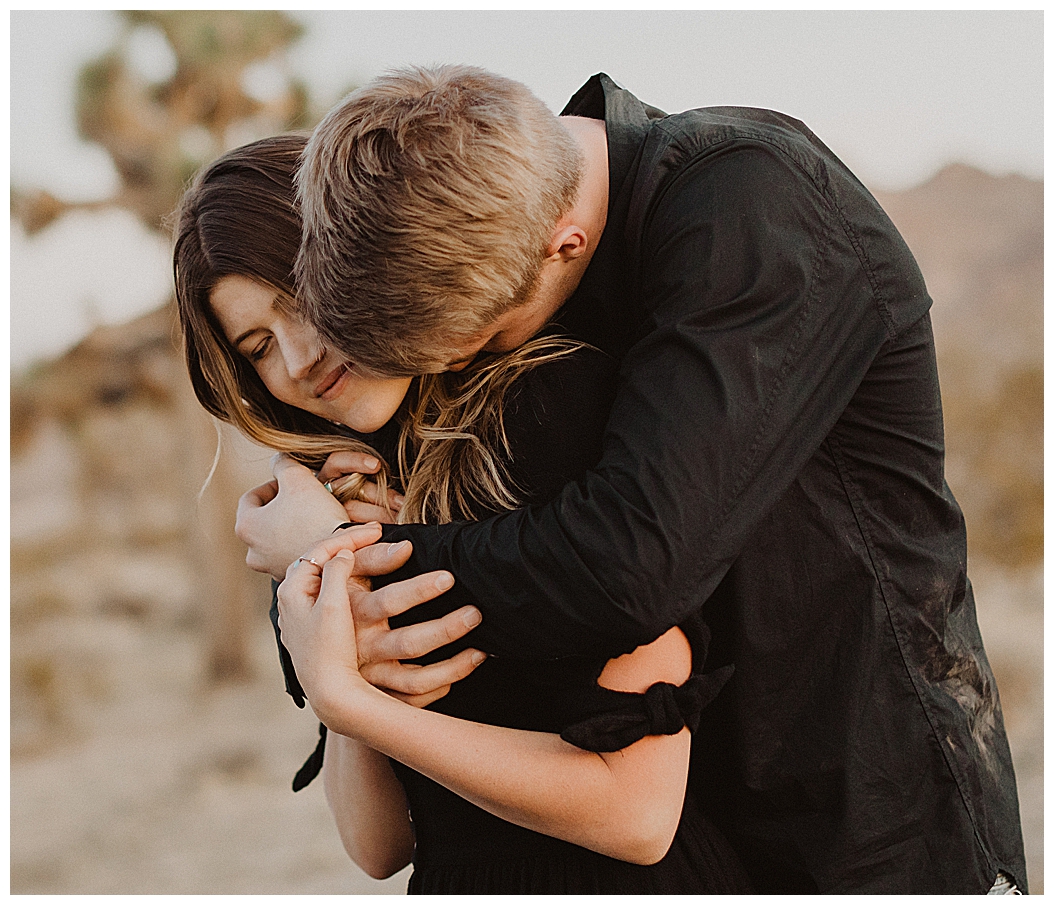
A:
(554, 421)
(461, 848)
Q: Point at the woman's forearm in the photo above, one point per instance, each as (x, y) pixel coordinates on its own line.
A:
(368, 805)
(625, 804)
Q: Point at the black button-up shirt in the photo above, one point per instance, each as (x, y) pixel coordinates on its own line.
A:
(774, 458)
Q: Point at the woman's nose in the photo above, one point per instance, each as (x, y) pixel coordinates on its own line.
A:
(303, 354)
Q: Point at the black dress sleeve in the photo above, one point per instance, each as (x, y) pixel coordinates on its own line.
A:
(617, 719)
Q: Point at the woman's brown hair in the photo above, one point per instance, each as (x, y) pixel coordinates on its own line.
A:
(239, 217)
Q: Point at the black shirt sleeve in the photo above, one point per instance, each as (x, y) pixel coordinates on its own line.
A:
(762, 321)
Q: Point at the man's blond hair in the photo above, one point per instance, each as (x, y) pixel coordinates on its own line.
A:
(429, 198)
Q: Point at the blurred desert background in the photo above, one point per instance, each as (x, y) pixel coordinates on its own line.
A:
(152, 744)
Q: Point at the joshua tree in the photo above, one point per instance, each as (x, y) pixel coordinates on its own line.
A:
(177, 89)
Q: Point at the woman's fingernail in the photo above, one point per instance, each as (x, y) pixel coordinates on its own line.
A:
(396, 547)
(371, 462)
(472, 617)
(344, 554)
(478, 657)
(444, 581)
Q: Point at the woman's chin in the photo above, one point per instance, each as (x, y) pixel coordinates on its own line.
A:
(366, 422)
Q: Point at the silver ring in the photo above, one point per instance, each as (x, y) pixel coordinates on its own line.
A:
(306, 559)
(329, 486)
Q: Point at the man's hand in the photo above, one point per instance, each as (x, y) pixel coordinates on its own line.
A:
(380, 648)
(281, 519)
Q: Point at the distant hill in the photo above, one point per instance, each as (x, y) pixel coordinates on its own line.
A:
(979, 242)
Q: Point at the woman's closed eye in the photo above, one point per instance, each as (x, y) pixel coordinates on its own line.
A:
(257, 352)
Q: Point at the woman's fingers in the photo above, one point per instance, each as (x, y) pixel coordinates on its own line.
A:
(262, 495)
(347, 462)
(334, 581)
(304, 575)
(353, 538)
(363, 499)
(371, 493)
(367, 512)
(315, 619)
(341, 465)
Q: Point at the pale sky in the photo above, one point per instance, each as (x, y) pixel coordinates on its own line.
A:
(896, 94)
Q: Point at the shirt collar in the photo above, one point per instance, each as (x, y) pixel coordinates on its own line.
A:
(625, 118)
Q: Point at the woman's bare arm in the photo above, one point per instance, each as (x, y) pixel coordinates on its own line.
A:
(625, 804)
(368, 805)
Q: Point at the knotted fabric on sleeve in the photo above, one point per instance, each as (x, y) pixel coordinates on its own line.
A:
(663, 709)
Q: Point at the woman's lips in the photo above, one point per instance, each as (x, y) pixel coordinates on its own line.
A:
(333, 383)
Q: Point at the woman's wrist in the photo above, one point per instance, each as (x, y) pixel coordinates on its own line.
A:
(345, 707)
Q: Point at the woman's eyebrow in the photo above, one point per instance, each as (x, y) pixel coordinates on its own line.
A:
(238, 340)
(276, 305)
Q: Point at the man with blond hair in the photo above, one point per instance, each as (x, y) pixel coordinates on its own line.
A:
(773, 457)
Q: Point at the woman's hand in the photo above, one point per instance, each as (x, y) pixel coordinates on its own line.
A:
(279, 520)
(314, 616)
(348, 637)
(371, 509)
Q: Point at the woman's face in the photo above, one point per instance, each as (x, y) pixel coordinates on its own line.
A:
(294, 365)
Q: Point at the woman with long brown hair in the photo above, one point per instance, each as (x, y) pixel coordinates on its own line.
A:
(566, 776)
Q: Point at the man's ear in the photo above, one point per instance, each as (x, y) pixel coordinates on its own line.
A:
(569, 241)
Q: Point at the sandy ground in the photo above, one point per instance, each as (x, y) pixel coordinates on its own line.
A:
(160, 784)
(178, 789)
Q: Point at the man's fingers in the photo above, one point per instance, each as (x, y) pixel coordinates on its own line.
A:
(382, 559)
(411, 641)
(404, 595)
(410, 681)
